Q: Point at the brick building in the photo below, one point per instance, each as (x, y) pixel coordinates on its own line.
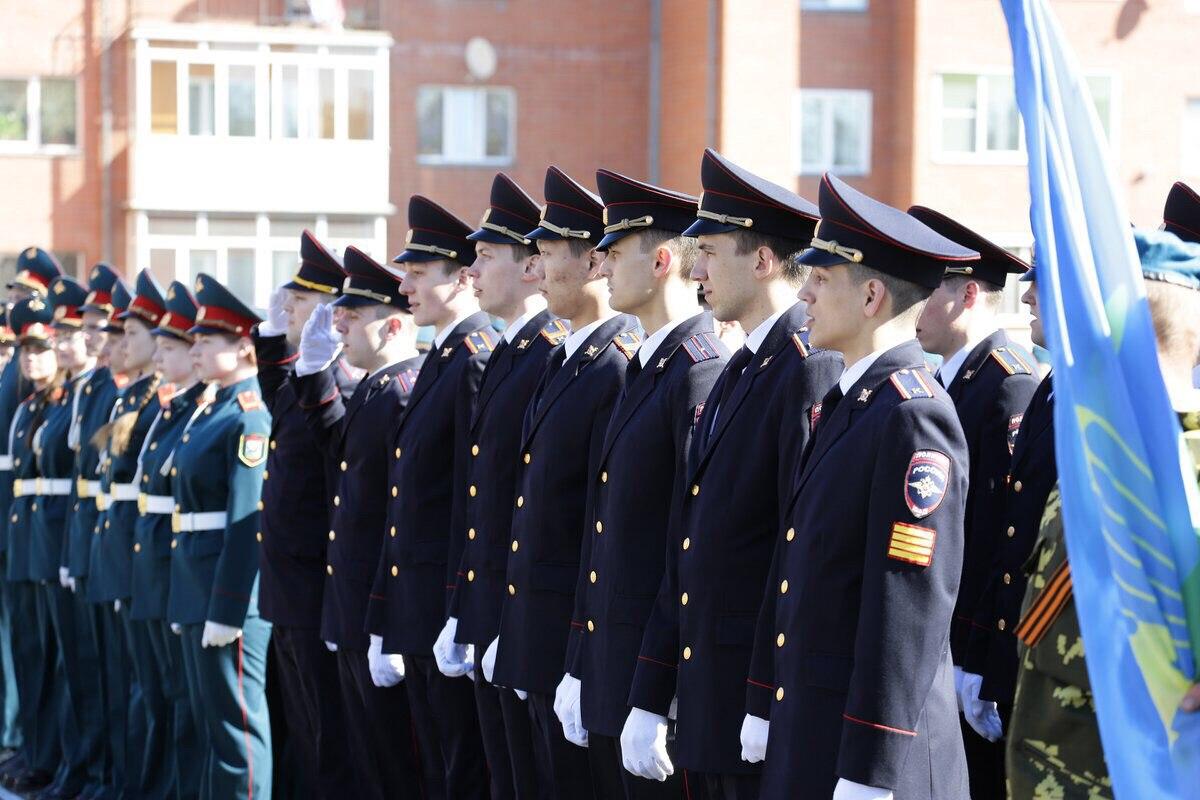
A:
(189, 135)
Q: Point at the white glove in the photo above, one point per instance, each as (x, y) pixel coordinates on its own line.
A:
(117, 606)
(319, 342)
(218, 635)
(489, 659)
(755, 731)
(176, 628)
(277, 318)
(981, 715)
(331, 647)
(958, 681)
(71, 585)
(521, 695)
(453, 660)
(644, 745)
(849, 790)
(386, 669)
(64, 577)
(566, 708)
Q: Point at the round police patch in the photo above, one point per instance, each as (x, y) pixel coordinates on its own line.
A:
(925, 482)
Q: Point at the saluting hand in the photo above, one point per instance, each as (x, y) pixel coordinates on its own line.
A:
(277, 318)
(319, 342)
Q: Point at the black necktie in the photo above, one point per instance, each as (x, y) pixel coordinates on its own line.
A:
(631, 372)
(556, 362)
(831, 400)
(733, 373)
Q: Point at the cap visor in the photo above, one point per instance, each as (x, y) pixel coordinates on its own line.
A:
(484, 235)
(708, 227)
(417, 256)
(612, 238)
(355, 301)
(207, 329)
(814, 257)
(172, 334)
(543, 234)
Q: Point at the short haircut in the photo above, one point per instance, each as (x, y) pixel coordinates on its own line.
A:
(387, 309)
(906, 295)
(684, 246)
(992, 294)
(520, 252)
(786, 250)
(1175, 311)
(580, 247)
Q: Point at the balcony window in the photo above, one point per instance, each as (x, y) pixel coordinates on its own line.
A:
(201, 100)
(164, 107)
(360, 102)
(465, 125)
(835, 131)
(243, 105)
(38, 114)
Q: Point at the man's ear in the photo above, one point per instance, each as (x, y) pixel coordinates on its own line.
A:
(969, 294)
(663, 259)
(766, 262)
(875, 297)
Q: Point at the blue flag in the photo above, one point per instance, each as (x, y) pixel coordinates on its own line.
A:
(1128, 485)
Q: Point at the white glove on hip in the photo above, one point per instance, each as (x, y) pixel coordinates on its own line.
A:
(981, 715)
(644, 745)
(277, 318)
(176, 628)
(217, 635)
(958, 681)
(331, 647)
(453, 660)
(755, 731)
(117, 606)
(319, 342)
(849, 790)
(64, 577)
(387, 669)
(566, 708)
(489, 659)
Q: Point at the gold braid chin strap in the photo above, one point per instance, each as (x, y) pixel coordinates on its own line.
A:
(509, 232)
(572, 234)
(626, 224)
(429, 248)
(831, 246)
(725, 219)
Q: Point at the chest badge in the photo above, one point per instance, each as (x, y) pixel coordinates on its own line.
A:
(252, 449)
(925, 482)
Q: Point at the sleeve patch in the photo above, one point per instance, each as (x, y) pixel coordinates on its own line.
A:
(555, 332)
(1012, 361)
(628, 343)
(252, 449)
(910, 383)
(702, 347)
(249, 400)
(925, 482)
(912, 544)
(479, 342)
(798, 340)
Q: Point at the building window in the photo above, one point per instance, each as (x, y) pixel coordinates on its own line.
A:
(38, 114)
(202, 101)
(465, 125)
(835, 131)
(833, 5)
(243, 105)
(69, 260)
(1191, 137)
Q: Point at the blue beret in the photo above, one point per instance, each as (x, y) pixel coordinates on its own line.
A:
(1165, 257)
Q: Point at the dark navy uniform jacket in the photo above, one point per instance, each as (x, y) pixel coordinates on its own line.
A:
(713, 586)
(856, 617)
(56, 461)
(990, 392)
(638, 483)
(28, 416)
(562, 432)
(992, 649)
(13, 389)
(482, 522)
(152, 531)
(353, 434)
(295, 524)
(427, 467)
(112, 545)
(92, 411)
(218, 466)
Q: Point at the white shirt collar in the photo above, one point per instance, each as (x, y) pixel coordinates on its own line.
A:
(445, 332)
(539, 305)
(576, 338)
(859, 368)
(757, 336)
(651, 343)
(953, 364)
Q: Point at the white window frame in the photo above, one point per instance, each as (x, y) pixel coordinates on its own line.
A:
(485, 160)
(31, 144)
(827, 6)
(863, 167)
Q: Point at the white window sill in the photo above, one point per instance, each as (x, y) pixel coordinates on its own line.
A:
(10, 148)
(439, 161)
(982, 159)
(841, 172)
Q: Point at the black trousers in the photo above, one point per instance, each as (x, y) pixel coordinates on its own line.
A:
(611, 781)
(312, 711)
(720, 786)
(379, 734)
(505, 730)
(443, 712)
(565, 765)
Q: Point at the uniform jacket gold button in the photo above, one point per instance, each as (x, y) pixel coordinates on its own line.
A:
(474, 449)
(137, 547)
(266, 474)
(591, 626)
(687, 654)
(395, 570)
(329, 569)
(1000, 624)
(397, 452)
(393, 531)
(604, 477)
(470, 575)
(395, 491)
(512, 589)
(260, 505)
(695, 489)
(174, 544)
(683, 599)
(1017, 486)
(599, 526)
(470, 533)
(520, 501)
(258, 536)
(791, 534)
(344, 466)
(779, 694)
(515, 545)
(1011, 531)
(783, 587)
(1007, 578)
(274, 444)
(592, 576)
(337, 501)
(779, 640)
(528, 458)
(471, 490)
(332, 535)
(687, 542)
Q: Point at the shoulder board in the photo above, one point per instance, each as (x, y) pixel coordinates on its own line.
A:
(407, 379)
(479, 342)
(702, 347)
(628, 342)
(912, 383)
(800, 345)
(1012, 361)
(249, 400)
(555, 332)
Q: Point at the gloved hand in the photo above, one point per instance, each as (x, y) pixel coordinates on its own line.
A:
(176, 628)
(755, 732)
(981, 715)
(331, 647)
(566, 708)
(958, 681)
(387, 669)
(489, 659)
(117, 606)
(644, 745)
(849, 790)
(277, 319)
(319, 342)
(218, 635)
(64, 577)
(521, 695)
(453, 660)
(71, 585)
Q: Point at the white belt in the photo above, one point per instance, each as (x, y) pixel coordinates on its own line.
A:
(198, 521)
(24, 487)
(122, 491)
(6, 462)
(47, 487)
(85, 488)
(156, 504)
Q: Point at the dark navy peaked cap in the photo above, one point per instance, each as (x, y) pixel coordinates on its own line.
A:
(320, 270)
(859, 229)
(631, 206)
(434, 233)
(147, 303)
(120, 301)
(67, 295)
(101, 281)
(735, 199)
(36, 268)
(180, 315)
(1181, 216)
(369, 283)
(995, 263)
(511, 213)
(220, 311)
(571, 212)
(31, 318)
